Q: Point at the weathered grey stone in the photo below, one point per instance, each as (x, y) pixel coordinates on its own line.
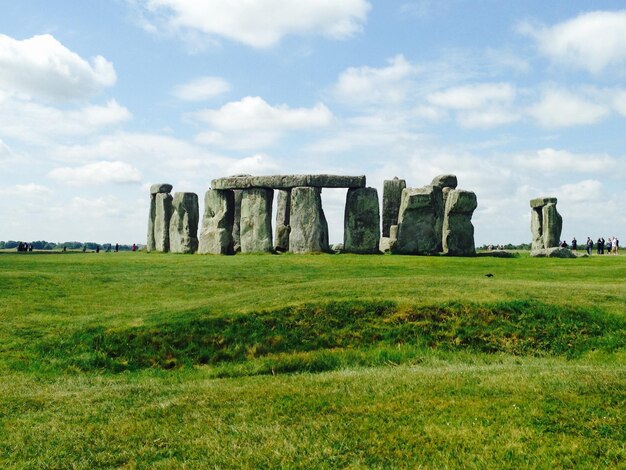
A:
(393, 232)
(554, 252)
(288, 181)
(150, 244)
(236, 221)
(545, 224)
(458, 231)
(420, 212)
(309, 229)
(361, 232)
(552, 225)
(392, 196)
(162, 216)
(161, 188)
(256, 220)
(184, 223)
(283, 205)
(338, 247)
(384, 244)
(541, 201)
(445, 181)
(217, 223)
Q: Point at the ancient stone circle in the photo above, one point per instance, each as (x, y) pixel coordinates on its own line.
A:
(238, 217)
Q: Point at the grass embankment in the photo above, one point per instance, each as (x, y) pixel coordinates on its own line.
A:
(112, 359)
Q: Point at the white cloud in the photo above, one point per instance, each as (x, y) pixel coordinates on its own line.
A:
(260, 23)
(619, 101)
(473, 96)
(252, 122)
(592, 41)
(25, 190)
(582, 191)
(103, 172)
(376, 85)
(36, 123)
(563, 161)
(559, 107)
(202, 88)
(42, 67)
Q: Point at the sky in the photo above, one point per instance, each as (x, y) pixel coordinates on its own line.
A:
(101, 99)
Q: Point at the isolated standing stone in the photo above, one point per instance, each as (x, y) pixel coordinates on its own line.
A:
(256, 220)
(392, 196)
(217, 223)
(309, 229)
(361, 221)
(184, 223)
(458, 231)
(419, 217)
(162, 216)
(545, 224)
(283, 206)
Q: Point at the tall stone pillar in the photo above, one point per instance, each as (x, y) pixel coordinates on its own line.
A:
(162, 217)
(184, 223)
(420, 211)
(217, 223)
(545, 224)
(283, 206)
(392, 196)
(458, 231)
(154, 190)
(309, 229)
(361, 232)
(446, 183)
(236, 221)
(256, 220)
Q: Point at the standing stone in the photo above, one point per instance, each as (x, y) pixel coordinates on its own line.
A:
(217, 222)
(184, 223)
(236, 221)
(154, 190)
(309, 229)
(162, 216)
(420, 211)
(256, 220)
(361, 221)
(458, 231)
(392, 196)
(283, 206)
(545, 224)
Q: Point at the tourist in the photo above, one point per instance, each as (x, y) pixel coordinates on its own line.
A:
(574, 244)
(117, 247)
(589, 245)
(615, 246)
(134, 247)
(609, 246)
(600, 246)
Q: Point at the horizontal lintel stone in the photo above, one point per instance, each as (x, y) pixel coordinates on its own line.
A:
(288, 182)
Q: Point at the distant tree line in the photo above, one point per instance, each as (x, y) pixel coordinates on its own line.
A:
(508, 246)
(44, 245)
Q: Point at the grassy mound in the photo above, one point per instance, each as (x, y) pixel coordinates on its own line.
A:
(316, 337)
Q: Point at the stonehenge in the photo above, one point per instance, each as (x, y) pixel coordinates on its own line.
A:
(237, 217)
(545, 224)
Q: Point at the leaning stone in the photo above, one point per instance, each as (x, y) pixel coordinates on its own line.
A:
(418, 220)
(184, 223)
(217, 223)
(445, 181)
(283, 203)
(309, 229)
(161, 188)
(163, 214)
(392, 196)
(256, 220)
(361, 221)
(458, 231)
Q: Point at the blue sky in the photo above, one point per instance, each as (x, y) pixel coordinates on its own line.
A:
(100, 99)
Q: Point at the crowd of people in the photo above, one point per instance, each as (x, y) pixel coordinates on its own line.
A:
(24, 246)
(608, 247)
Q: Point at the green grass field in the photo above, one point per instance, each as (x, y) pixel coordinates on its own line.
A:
(315, 361)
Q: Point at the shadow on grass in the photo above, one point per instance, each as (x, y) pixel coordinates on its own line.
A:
(317, 337)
